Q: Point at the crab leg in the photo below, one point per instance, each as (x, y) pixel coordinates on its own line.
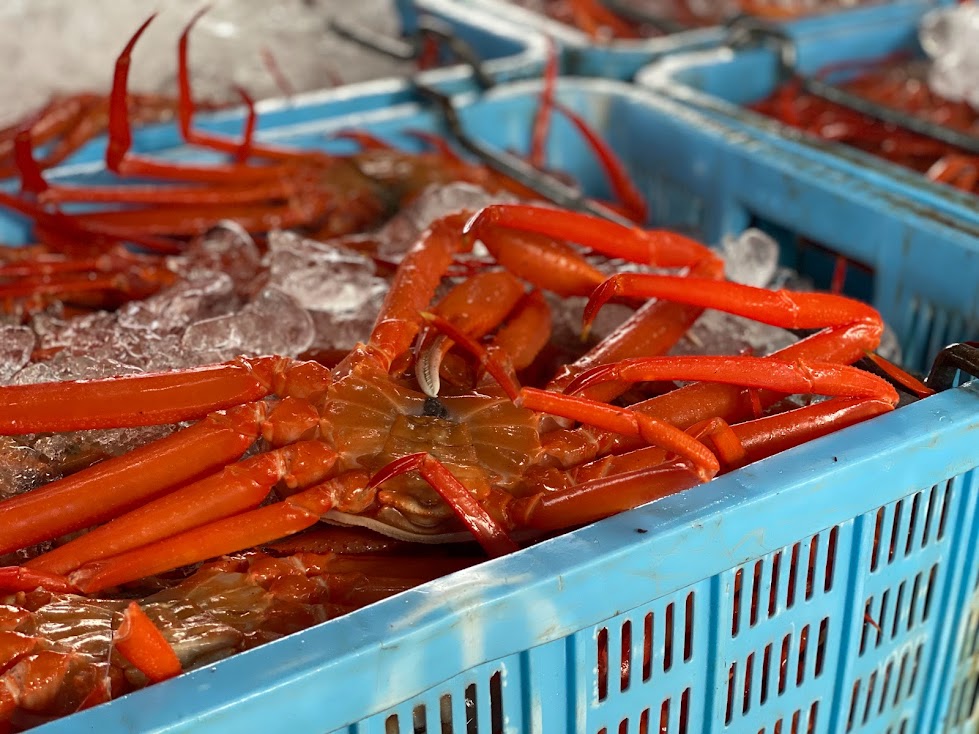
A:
(120, 160)
(138, 400)
(142, 644)
(782, 308)
(237, 488)
(820, 378)
(415, 281)
(229, 535)
(658, 247)
(757, 439)
(102, 491)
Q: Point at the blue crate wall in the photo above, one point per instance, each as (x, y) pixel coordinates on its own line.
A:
(722, 81)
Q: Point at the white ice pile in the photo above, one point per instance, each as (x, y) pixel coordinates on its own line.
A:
(950, 37)
(62, 46)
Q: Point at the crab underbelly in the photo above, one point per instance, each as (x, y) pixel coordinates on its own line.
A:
(482, 441)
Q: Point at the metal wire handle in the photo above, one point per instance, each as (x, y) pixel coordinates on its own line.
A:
(548, 187)
(408, 48)
(963, 357)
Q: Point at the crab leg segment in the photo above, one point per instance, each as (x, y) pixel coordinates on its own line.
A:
(820, 378)
(776, 308)
(659, 247)
(137, 400)
(229, 535)
(142, 644)
(622, 421)
(237, 488)
(105, 490)
(599, 498)
(414, 284)
(120, 160)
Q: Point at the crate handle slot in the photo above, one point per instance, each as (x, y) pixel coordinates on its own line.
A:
(409, 47)
(510, 165)
(963, 357)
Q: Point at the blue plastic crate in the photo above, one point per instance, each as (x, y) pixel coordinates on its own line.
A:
(509, 53)
(870, 521)
(720, 81)
(580, 54)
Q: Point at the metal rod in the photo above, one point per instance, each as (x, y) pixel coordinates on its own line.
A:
(519, 170)
(409, 48)
(961, 357)
(745, 31)
(831, 93)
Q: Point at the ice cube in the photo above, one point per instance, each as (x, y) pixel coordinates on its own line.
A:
(227, 248)
(273, 323)
(750, 258)
(319, 275)
(402, 232)
(716, 332)
(16, 345)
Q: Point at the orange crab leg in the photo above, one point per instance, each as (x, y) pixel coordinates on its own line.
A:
(542, 119)
(525, 333)
(415, 282)
(141, 643)
(18, 578)
(782, 308)
(623, 421)
(64, 233)
(237, 488)
(598, 498)
(120, 160)
(803, 378)
(106, 489)
(490, 534)
(652, 330)
(622, 186)
(659, 247)
(137, 400)
(229, 535)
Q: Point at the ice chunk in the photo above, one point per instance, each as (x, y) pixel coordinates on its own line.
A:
(403, 230)
(950, 36)
(201, 295)
(716, 332)
(228, 248)
(319, 275)
(337, 286)
(273, 323)
(750, 258)
(16, 344)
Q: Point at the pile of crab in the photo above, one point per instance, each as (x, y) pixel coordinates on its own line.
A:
(258, 463)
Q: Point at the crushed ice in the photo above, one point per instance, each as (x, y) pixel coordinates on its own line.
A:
(950, 37)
